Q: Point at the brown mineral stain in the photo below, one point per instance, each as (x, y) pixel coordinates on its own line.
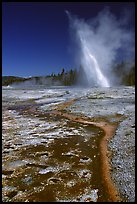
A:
(109, 130)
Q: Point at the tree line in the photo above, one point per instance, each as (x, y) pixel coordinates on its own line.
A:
(76, 76)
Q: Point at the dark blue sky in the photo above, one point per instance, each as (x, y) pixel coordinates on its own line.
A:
(35, 35)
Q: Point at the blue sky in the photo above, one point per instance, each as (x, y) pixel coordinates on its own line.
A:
(36, 38)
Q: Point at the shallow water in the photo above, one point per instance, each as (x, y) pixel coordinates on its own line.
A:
(49, 158)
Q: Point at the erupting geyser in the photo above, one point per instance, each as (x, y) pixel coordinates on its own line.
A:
(98, 44)
(91, 65)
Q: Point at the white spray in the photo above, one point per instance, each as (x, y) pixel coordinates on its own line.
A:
(98, 42)
(91, 63)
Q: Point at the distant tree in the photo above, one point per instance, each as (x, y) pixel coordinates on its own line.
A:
(125, 73)
(129, 79)
(63, 71)
(7, 80)
(81, 76)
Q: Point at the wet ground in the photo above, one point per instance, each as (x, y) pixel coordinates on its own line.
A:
(48, 158)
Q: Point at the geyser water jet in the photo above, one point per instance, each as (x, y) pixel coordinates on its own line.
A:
(98, 45)
(91, 63)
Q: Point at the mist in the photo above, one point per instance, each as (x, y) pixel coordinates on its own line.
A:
(36, 82)
(98, 44)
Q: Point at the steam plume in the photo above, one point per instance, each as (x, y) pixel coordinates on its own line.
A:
(99, 42)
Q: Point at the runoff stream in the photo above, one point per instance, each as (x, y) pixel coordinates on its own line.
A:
(48, 157)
